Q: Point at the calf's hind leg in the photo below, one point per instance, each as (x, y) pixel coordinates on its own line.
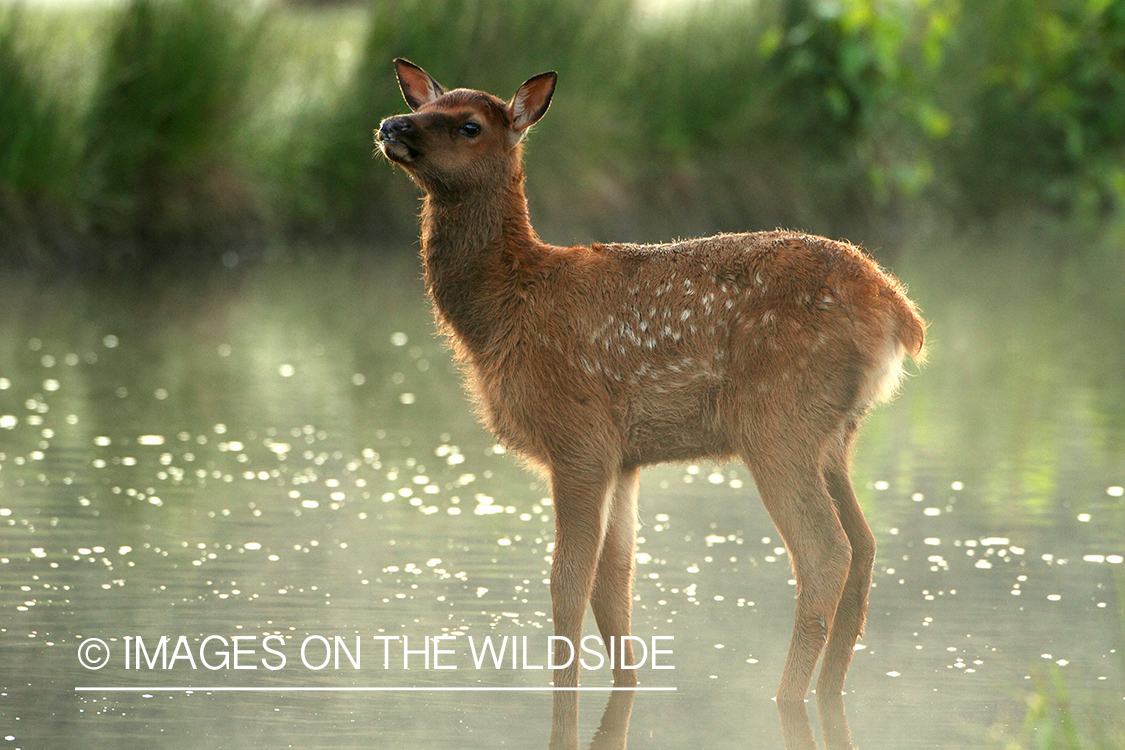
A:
(612, 597)
(793, 489)
(852, 609)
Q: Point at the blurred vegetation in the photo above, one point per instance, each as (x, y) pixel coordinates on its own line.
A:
(130, 132)
(1054, 722)
(161, 154)
(38, 153)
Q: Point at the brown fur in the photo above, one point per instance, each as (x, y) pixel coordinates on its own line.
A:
(595, 361)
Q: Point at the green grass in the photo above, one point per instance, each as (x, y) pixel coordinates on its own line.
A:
(37, 151)
(131, 132)
(497, 46)
(1055, 721)
(162, 151)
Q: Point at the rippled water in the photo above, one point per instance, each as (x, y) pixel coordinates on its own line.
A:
(284, 457)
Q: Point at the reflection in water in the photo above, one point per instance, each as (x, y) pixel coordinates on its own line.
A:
(289, 453)
(613, 731)
(614, 728)
(834, 722)
(795, 727)
(798, 733)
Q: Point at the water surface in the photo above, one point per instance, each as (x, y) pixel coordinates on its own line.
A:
(287, 452)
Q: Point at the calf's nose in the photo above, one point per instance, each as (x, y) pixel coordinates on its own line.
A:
(396, 127)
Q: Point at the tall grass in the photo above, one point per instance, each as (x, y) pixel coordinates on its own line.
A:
(37, 154)
(712, 116)
(490, 44)
(162, 157)
(207, 123)
(770, 114)
(1054, 722)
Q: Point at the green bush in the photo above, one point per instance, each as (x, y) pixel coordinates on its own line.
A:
(1039, 86)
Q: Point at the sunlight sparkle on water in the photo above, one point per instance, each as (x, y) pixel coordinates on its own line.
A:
(309, 449)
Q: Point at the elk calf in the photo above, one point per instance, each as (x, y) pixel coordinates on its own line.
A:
(595, 361)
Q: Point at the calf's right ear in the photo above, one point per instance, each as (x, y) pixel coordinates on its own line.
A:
(418, 87)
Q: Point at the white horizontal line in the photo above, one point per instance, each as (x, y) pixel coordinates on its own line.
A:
(364, 689)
